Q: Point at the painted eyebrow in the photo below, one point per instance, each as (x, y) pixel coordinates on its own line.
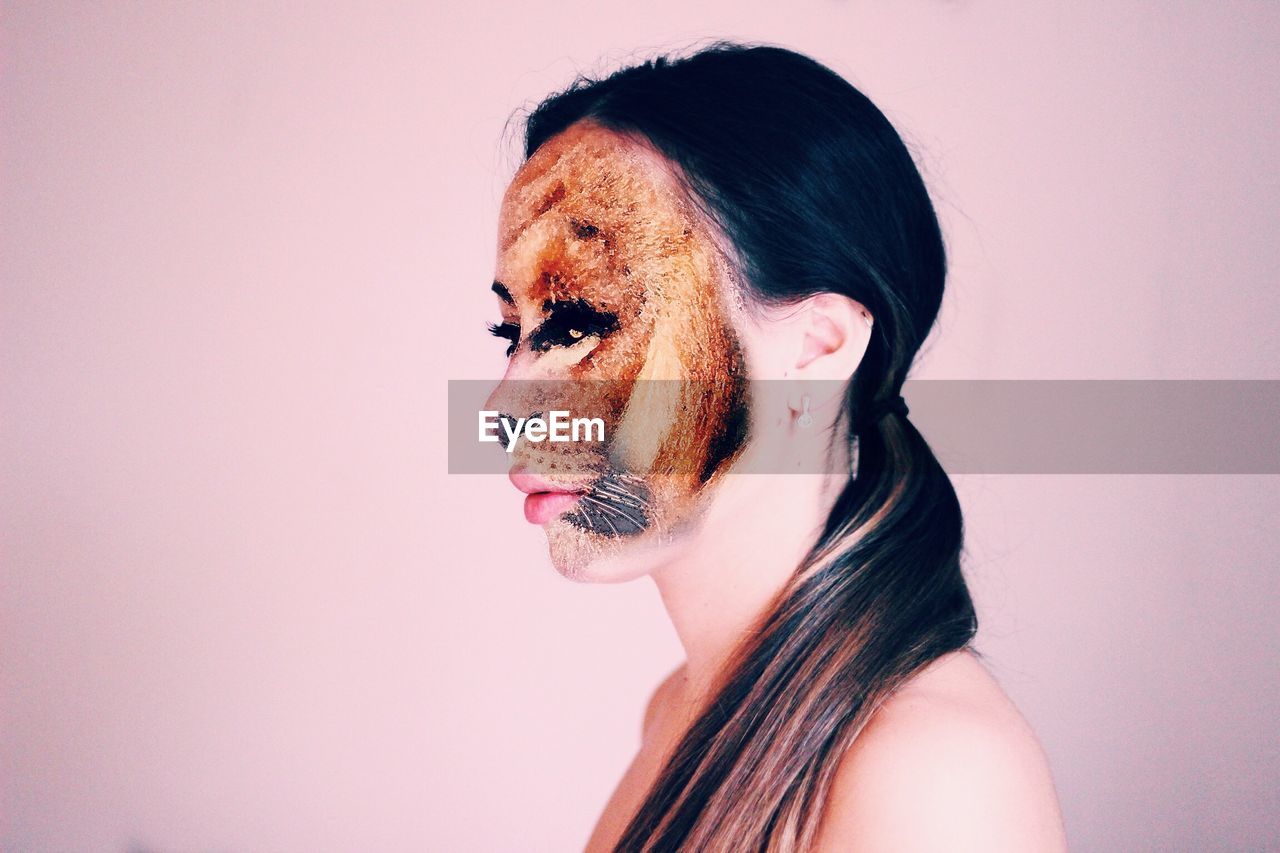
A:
(503, 294)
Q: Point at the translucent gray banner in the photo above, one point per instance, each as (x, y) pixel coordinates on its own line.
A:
(974, 426)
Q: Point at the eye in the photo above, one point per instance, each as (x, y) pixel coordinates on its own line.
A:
(507, 331)
(569, 322)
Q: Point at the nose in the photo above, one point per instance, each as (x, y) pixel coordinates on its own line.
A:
(505, 398)
(511, 399)
(508, 424)
(524, 393)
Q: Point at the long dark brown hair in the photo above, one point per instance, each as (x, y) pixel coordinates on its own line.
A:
(817, 192)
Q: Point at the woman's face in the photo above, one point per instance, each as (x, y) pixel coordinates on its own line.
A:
(616, 300)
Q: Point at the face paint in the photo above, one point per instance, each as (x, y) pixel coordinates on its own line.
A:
(605, 272)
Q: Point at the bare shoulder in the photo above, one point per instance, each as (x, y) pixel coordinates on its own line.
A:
(947, 763)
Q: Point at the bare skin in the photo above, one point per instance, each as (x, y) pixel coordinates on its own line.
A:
(949, 745)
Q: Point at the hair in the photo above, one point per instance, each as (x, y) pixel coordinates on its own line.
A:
(816, 192)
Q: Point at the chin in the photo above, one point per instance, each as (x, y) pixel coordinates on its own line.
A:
(589, 557)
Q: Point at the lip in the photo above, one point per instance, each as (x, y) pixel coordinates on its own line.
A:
(544, 500)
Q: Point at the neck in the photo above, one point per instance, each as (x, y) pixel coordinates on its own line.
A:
(753, 538)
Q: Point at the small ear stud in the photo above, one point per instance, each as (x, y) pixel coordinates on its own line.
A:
(805, 420)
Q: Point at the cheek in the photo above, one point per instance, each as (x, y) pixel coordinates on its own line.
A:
(680, 434)
(694, 380)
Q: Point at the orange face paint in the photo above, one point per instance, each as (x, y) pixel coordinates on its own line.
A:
(606, 272)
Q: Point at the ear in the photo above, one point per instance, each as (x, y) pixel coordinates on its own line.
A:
(835, 331)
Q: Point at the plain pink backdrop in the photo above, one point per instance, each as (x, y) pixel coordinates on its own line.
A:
(244, 245)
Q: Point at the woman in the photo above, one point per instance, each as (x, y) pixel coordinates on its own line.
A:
(722, 257)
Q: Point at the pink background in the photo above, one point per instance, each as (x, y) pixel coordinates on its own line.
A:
(246, 244)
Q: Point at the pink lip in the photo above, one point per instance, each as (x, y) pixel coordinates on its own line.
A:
(544, 500)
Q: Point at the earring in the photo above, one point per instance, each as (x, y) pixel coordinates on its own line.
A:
(805, 420)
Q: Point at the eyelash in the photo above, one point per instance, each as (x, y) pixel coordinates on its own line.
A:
(506, 331)
(558, 329)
